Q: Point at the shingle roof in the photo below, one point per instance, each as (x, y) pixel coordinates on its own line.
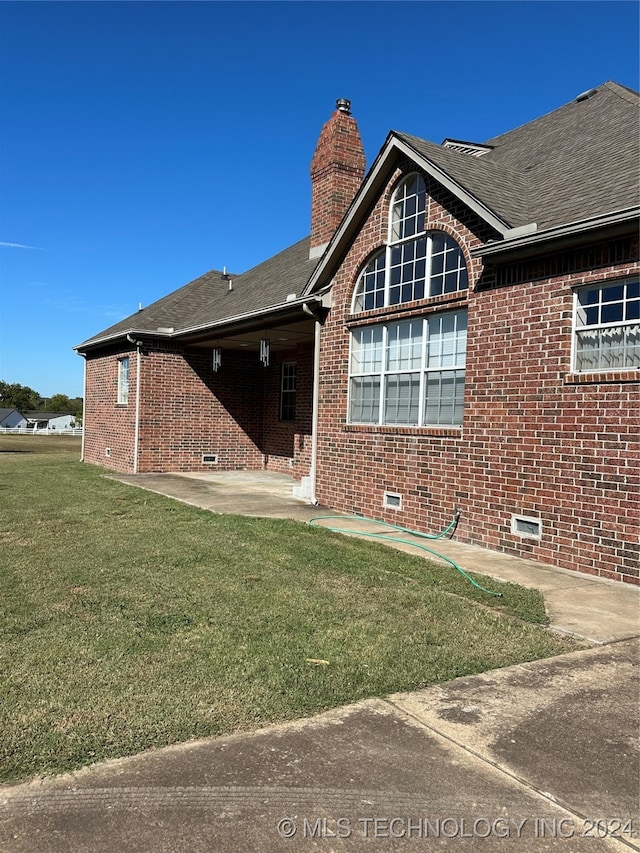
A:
(582, 159)
(505, 191)
(576, 162)
(208, 299)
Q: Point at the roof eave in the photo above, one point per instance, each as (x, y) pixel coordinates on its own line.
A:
(372, 185)
(614, 222)
(291, 308)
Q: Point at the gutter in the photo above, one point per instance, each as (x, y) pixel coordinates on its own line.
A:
(568, 232)
(281, 307)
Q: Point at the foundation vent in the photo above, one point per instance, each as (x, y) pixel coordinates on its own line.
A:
(209, 458)
(392, 500)
(526, 526)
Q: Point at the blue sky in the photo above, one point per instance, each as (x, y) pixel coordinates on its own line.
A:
(146, 143)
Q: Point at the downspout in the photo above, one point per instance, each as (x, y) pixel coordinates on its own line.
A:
(84, 406)
(314, 416)
(136, 435)
(136, 428)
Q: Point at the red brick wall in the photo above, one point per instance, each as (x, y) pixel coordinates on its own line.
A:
(534, 441)
(287, 444)
(109, 427)
(187, 410)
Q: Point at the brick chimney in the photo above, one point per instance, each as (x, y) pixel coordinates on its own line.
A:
(337, 170)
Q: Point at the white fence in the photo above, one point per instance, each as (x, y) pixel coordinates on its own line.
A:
(26, 431)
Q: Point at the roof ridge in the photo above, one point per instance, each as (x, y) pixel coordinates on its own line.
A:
(625, 92)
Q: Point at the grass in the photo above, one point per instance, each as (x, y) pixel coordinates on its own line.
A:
(128, 620)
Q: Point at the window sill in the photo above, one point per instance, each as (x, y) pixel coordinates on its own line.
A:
(601, 377)
(387, 429)
(409, 307)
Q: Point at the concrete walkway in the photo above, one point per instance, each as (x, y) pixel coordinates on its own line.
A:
(536, 757)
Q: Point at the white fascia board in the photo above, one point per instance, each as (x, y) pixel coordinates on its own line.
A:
(179, 333)
(557, 232)
(249, 315)
(374, 181)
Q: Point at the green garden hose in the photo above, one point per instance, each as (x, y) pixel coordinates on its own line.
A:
(396, 539)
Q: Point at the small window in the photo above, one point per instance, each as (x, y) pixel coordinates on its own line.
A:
(288, 392)
(123, 380)
(607, 327)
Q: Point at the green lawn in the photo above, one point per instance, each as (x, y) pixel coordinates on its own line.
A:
(129, 620)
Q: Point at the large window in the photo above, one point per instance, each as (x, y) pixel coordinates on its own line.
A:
(123, 380)
(288, 392)
(415, 263)
(607, 327)
(409, 372)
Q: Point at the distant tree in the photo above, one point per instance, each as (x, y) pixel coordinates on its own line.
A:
(58, 403)
(64, 405)
(20, 397)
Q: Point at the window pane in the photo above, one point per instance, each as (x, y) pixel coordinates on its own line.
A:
(612, 313)
(447, 339)
(366, 350)
(444, 398)
(587, 350)
(448, 266)
(612, 294)
(590, 317)
(633, 310)
(402, 399)
(365, 400)
(407, 212)
(370, 288)
(611, 349)
(632, 346)
(404, 347)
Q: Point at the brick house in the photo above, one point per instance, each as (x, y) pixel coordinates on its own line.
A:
(460, 330)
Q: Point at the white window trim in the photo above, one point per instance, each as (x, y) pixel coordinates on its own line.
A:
(384, 372)
(289, 391)
(428, 234)
(621, 324)
(124, 366)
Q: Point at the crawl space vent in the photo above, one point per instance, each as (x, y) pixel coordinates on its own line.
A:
(392, 500)
(526, 526)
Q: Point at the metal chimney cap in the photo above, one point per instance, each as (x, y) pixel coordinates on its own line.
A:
(343, 105)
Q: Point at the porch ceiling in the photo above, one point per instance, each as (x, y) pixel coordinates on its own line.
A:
(282, 337)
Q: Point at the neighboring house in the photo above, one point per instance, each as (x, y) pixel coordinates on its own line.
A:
(11, 419)
(461, 330)
(49, 420)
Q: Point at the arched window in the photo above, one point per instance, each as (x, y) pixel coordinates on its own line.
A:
(416, 263)
(409, 372)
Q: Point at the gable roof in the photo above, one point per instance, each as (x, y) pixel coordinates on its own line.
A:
(4, 413)
(574, 165)
(573, 169)
(216, 298)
